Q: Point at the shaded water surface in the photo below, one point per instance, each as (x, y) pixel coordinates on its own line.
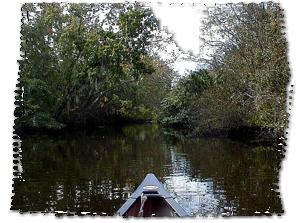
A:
(97, 171)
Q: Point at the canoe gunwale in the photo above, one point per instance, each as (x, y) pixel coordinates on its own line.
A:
(151, 180)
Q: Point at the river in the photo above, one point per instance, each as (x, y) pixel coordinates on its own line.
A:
(96, 171)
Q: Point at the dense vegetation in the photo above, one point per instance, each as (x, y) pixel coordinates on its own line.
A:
(244, 84)
(92, 64)
(89, 63)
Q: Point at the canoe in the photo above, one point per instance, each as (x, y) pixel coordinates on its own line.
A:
(151, 199)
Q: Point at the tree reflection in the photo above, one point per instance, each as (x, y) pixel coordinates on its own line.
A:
(97, 171)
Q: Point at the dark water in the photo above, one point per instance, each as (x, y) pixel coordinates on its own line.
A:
(96, 172)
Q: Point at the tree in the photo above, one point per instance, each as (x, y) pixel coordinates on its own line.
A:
(245, 53)
(250, 60)
(177, 108)
(78, 55)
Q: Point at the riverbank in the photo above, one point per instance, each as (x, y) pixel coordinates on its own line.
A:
(257, 135)
(246, 134)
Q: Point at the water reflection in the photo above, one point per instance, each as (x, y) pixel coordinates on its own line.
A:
(97, 171)
(197, 195)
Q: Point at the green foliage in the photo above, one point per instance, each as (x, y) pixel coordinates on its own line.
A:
(86, 62)
(176, 107)
(247, 73)
(141, 99)
(254, 69)
(94, 63)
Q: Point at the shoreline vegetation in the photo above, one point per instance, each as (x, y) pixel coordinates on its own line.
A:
(87, 65)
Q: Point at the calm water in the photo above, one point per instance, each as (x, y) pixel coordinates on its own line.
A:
(96, 172)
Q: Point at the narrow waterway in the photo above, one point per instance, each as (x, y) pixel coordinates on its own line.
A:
(97, 171)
